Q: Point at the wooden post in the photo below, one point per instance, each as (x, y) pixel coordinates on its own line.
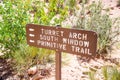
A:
(58, 65)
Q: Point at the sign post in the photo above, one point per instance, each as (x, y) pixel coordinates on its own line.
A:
(58, 62)
(58, 65)
(78, 42)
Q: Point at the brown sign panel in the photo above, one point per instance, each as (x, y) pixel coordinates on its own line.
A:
(79, 42)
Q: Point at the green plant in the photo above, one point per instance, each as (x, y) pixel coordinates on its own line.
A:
(118, 45)
(71, 3)
(14, 17)
(92, 18)
(111, 73)
(24, 57)
(107, 73)
(28, 56)
(91, 75)
(51, 13)
(84, 1)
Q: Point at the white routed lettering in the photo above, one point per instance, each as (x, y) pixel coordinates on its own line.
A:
(70, 35)
(77, 49)
(49, 44)
(89, 52)
(61, 33)
(52, 45)
(52, 32)
(65, 40)
(76, 42)
(79, 36)
(84, 37)
(48, 38)
(86, 44)
(80, 50)
(73, 48)
(74, 35)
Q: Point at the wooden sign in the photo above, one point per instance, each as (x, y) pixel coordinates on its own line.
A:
(79, 42)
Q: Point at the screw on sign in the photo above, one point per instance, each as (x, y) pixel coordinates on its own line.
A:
(78, 42)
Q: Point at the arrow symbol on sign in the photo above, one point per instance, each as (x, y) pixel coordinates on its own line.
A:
(31, 29)
(31, 35)
(32, 41)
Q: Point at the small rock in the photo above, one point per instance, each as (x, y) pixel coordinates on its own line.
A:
(112, 8)
(32, 70)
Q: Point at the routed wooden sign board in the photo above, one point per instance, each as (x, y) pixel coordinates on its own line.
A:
(73, 41)
(78, 42)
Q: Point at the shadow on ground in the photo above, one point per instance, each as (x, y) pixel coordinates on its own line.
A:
(5, 69)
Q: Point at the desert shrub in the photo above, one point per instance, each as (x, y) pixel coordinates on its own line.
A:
(28, 56)
(107, 73)
(14, 17)
(93, 17)
(111, 73)
(51, 13)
